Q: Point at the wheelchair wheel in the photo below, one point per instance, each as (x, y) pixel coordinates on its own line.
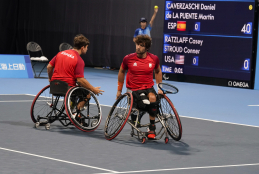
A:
(83, 109)
(171, 117)
(118, 116)
(42, 106)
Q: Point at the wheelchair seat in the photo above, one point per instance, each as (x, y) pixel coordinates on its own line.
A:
(58, 88)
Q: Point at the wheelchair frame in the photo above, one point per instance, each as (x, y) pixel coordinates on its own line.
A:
(57, 113)
(142, 136)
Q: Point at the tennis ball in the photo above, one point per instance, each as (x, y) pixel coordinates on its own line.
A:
(156, 6)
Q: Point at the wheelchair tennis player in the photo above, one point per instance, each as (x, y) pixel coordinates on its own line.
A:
(139, 79)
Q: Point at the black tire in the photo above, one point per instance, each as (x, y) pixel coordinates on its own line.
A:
(42, 105)
(118, 116)
(89, 117)
(172, 119)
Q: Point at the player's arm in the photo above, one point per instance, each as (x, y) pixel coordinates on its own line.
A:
(121, 76)
(84, 83)
(50, 69)
(153, 17)
(158, 77)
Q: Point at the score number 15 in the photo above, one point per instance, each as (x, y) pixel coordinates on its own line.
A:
(247, 28)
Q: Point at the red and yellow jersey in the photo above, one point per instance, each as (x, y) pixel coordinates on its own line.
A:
(68, 66)
(140, 71)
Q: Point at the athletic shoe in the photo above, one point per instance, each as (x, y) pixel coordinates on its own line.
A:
(151, 134)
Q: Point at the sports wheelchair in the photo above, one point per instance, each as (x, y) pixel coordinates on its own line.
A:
(167, 116)
(68, 105)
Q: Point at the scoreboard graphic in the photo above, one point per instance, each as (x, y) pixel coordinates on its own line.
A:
(209, 39)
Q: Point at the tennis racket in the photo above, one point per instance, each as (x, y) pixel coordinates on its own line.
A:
(167, 88)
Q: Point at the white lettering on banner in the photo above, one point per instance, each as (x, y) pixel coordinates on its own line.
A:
(208, 7)
(4, 66)
(173, 49)
(198, 42)
(175, 16)
(169, 59)
(188, 15)
(15, 66)
(21, 66)
(66, 54)
(178, 70)
(206, 17)
(167, 69)
(11, 67)
(172, 25)
(238, 84)
(175, 39)
(195, 16)
(179, 49)
(191, 51)
(189, 6)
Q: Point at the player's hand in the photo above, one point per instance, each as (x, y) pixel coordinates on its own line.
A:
(156, 10)
(118, 94)
(160, 91)
(98, 91)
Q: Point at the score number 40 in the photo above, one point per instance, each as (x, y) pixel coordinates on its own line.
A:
(247, 28)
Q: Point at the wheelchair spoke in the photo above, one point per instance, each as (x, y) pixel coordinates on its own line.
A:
(88, 115)
(118, 116)
(43, 105)
(171, 118)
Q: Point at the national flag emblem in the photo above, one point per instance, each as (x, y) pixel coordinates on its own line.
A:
(181, 25)
(179, 59)
(150, 65)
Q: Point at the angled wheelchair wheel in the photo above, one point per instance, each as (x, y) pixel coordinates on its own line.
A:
(118, 116)
(42, 106)
(171, 117)
(83, 109)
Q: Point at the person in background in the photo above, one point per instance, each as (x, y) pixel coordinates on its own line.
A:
(144, 28)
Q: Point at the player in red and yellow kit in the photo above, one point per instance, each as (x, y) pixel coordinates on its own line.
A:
(69, 66)
(140, 66)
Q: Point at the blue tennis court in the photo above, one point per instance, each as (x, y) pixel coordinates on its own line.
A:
(220, 134)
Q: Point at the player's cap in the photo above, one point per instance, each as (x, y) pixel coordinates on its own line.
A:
(143, 20)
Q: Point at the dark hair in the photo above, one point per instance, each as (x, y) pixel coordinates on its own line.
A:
(80, 41)
(145, 39)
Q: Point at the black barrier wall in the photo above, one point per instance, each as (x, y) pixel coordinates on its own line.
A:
(108, 24)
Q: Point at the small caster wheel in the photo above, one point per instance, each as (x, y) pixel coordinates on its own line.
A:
(37, 124)
(166, 140)
(143, 140)
(47, 126)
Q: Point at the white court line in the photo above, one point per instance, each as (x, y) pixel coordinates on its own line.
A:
(216, 121)
(54, 159)
(17, 101)
(187, 168)
(14, 94)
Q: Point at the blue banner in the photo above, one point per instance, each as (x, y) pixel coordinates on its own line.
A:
(15, 66)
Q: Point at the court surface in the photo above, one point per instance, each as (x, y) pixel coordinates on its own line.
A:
(220, 134)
